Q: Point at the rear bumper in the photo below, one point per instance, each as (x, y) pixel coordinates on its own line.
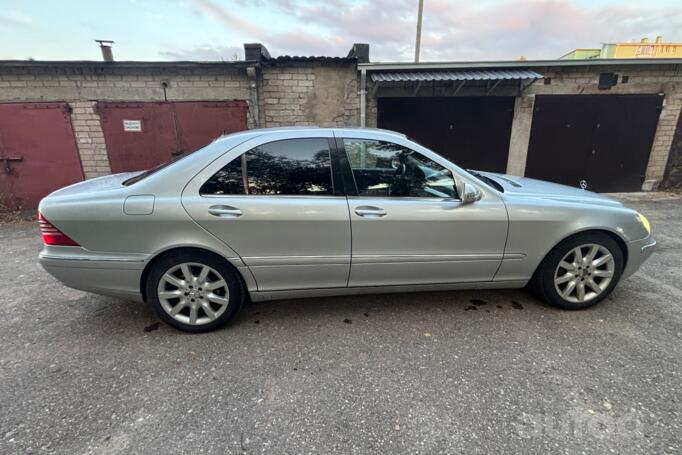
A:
(638, 252)
(114, 275)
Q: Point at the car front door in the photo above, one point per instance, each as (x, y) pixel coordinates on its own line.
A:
(409, 225)
(273, 202)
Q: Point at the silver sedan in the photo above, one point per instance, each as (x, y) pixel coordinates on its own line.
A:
(300, 212)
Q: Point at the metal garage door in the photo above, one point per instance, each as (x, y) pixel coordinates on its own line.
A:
(602, 139)
(143, 135)
(471, 131)
(38, 152)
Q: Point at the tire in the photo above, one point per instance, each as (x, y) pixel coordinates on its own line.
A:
(212, 295)
(561, 267)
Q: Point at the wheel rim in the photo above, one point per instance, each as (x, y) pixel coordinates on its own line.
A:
(584, 273)
(193, 293)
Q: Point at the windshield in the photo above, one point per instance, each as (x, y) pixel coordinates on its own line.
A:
(487, 180)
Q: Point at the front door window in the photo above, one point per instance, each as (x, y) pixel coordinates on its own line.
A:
(385, 169)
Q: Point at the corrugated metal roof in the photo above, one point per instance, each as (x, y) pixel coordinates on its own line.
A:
(488, 75)
(523, 64)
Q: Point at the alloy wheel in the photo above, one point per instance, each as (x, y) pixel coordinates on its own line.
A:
(584, 273)
(193, 293)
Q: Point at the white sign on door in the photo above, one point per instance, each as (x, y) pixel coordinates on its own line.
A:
(134, 126)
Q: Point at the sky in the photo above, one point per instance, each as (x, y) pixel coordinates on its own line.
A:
(216, 29)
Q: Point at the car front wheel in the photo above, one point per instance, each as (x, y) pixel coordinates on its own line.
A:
(580, 271)
(194, 292)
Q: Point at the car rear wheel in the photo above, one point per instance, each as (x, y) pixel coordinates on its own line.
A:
(194, 292)
(580, 271)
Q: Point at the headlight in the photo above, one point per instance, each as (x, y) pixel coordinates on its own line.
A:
(645, 222)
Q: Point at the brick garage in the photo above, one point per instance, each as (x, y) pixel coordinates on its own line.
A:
(324, 91)
(82, 84)
(576, 77)
(277, 91)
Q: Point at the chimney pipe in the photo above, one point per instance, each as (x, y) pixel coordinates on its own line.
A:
(105, 47)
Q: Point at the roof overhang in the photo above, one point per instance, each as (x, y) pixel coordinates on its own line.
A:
(492, 78)
(470, 75)
(505, 64)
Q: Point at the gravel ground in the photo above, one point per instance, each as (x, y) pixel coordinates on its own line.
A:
(455, 372)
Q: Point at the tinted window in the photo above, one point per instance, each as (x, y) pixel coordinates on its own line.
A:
(387, 169)
(289, 167)
(228, 180)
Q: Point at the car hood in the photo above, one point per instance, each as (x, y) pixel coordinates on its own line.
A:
(532, 188)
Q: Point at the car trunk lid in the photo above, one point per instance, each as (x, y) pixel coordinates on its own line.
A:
(107, 182)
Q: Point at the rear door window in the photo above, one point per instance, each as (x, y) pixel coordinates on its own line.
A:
(288, 167)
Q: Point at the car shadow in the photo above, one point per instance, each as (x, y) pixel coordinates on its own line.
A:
(395, 304)
(111, 315)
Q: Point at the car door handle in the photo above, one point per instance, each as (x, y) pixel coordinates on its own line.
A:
(224, 211)
(368, 211)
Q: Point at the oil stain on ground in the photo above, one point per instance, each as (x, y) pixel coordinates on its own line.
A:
(152, 327)
(476, 303)
(517, 305)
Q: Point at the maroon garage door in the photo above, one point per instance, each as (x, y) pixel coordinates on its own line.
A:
(143, 135)
(38, 152)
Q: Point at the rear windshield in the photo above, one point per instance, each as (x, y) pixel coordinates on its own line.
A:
(144, 174)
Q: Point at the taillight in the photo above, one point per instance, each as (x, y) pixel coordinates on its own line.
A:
(52, 235)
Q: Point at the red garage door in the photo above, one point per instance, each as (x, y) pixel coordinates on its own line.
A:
(38, 152)
(143, 135)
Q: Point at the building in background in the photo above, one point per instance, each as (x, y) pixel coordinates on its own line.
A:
(613, 122)
(643, 49)
(581, 54)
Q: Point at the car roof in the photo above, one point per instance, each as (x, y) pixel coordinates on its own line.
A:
(274, 130)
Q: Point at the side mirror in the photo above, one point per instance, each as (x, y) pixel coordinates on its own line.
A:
(470, 193)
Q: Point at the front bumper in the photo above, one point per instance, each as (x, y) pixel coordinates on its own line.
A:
(638, 252)
(114, 275)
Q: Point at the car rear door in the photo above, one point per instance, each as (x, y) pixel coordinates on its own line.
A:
(274, 201)
(413, 229)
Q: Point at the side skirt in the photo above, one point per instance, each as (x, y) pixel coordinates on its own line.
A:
(328, 292)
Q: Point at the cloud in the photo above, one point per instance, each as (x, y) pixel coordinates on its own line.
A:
(226, 17)
(536, 29)
(16, 19)
(205, 53)
(452, 29)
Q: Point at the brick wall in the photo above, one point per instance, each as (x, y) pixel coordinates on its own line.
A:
(313, 94)
(673, 172)
(89, 139)
(520, 134)
(81, 83)
(664, 139)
